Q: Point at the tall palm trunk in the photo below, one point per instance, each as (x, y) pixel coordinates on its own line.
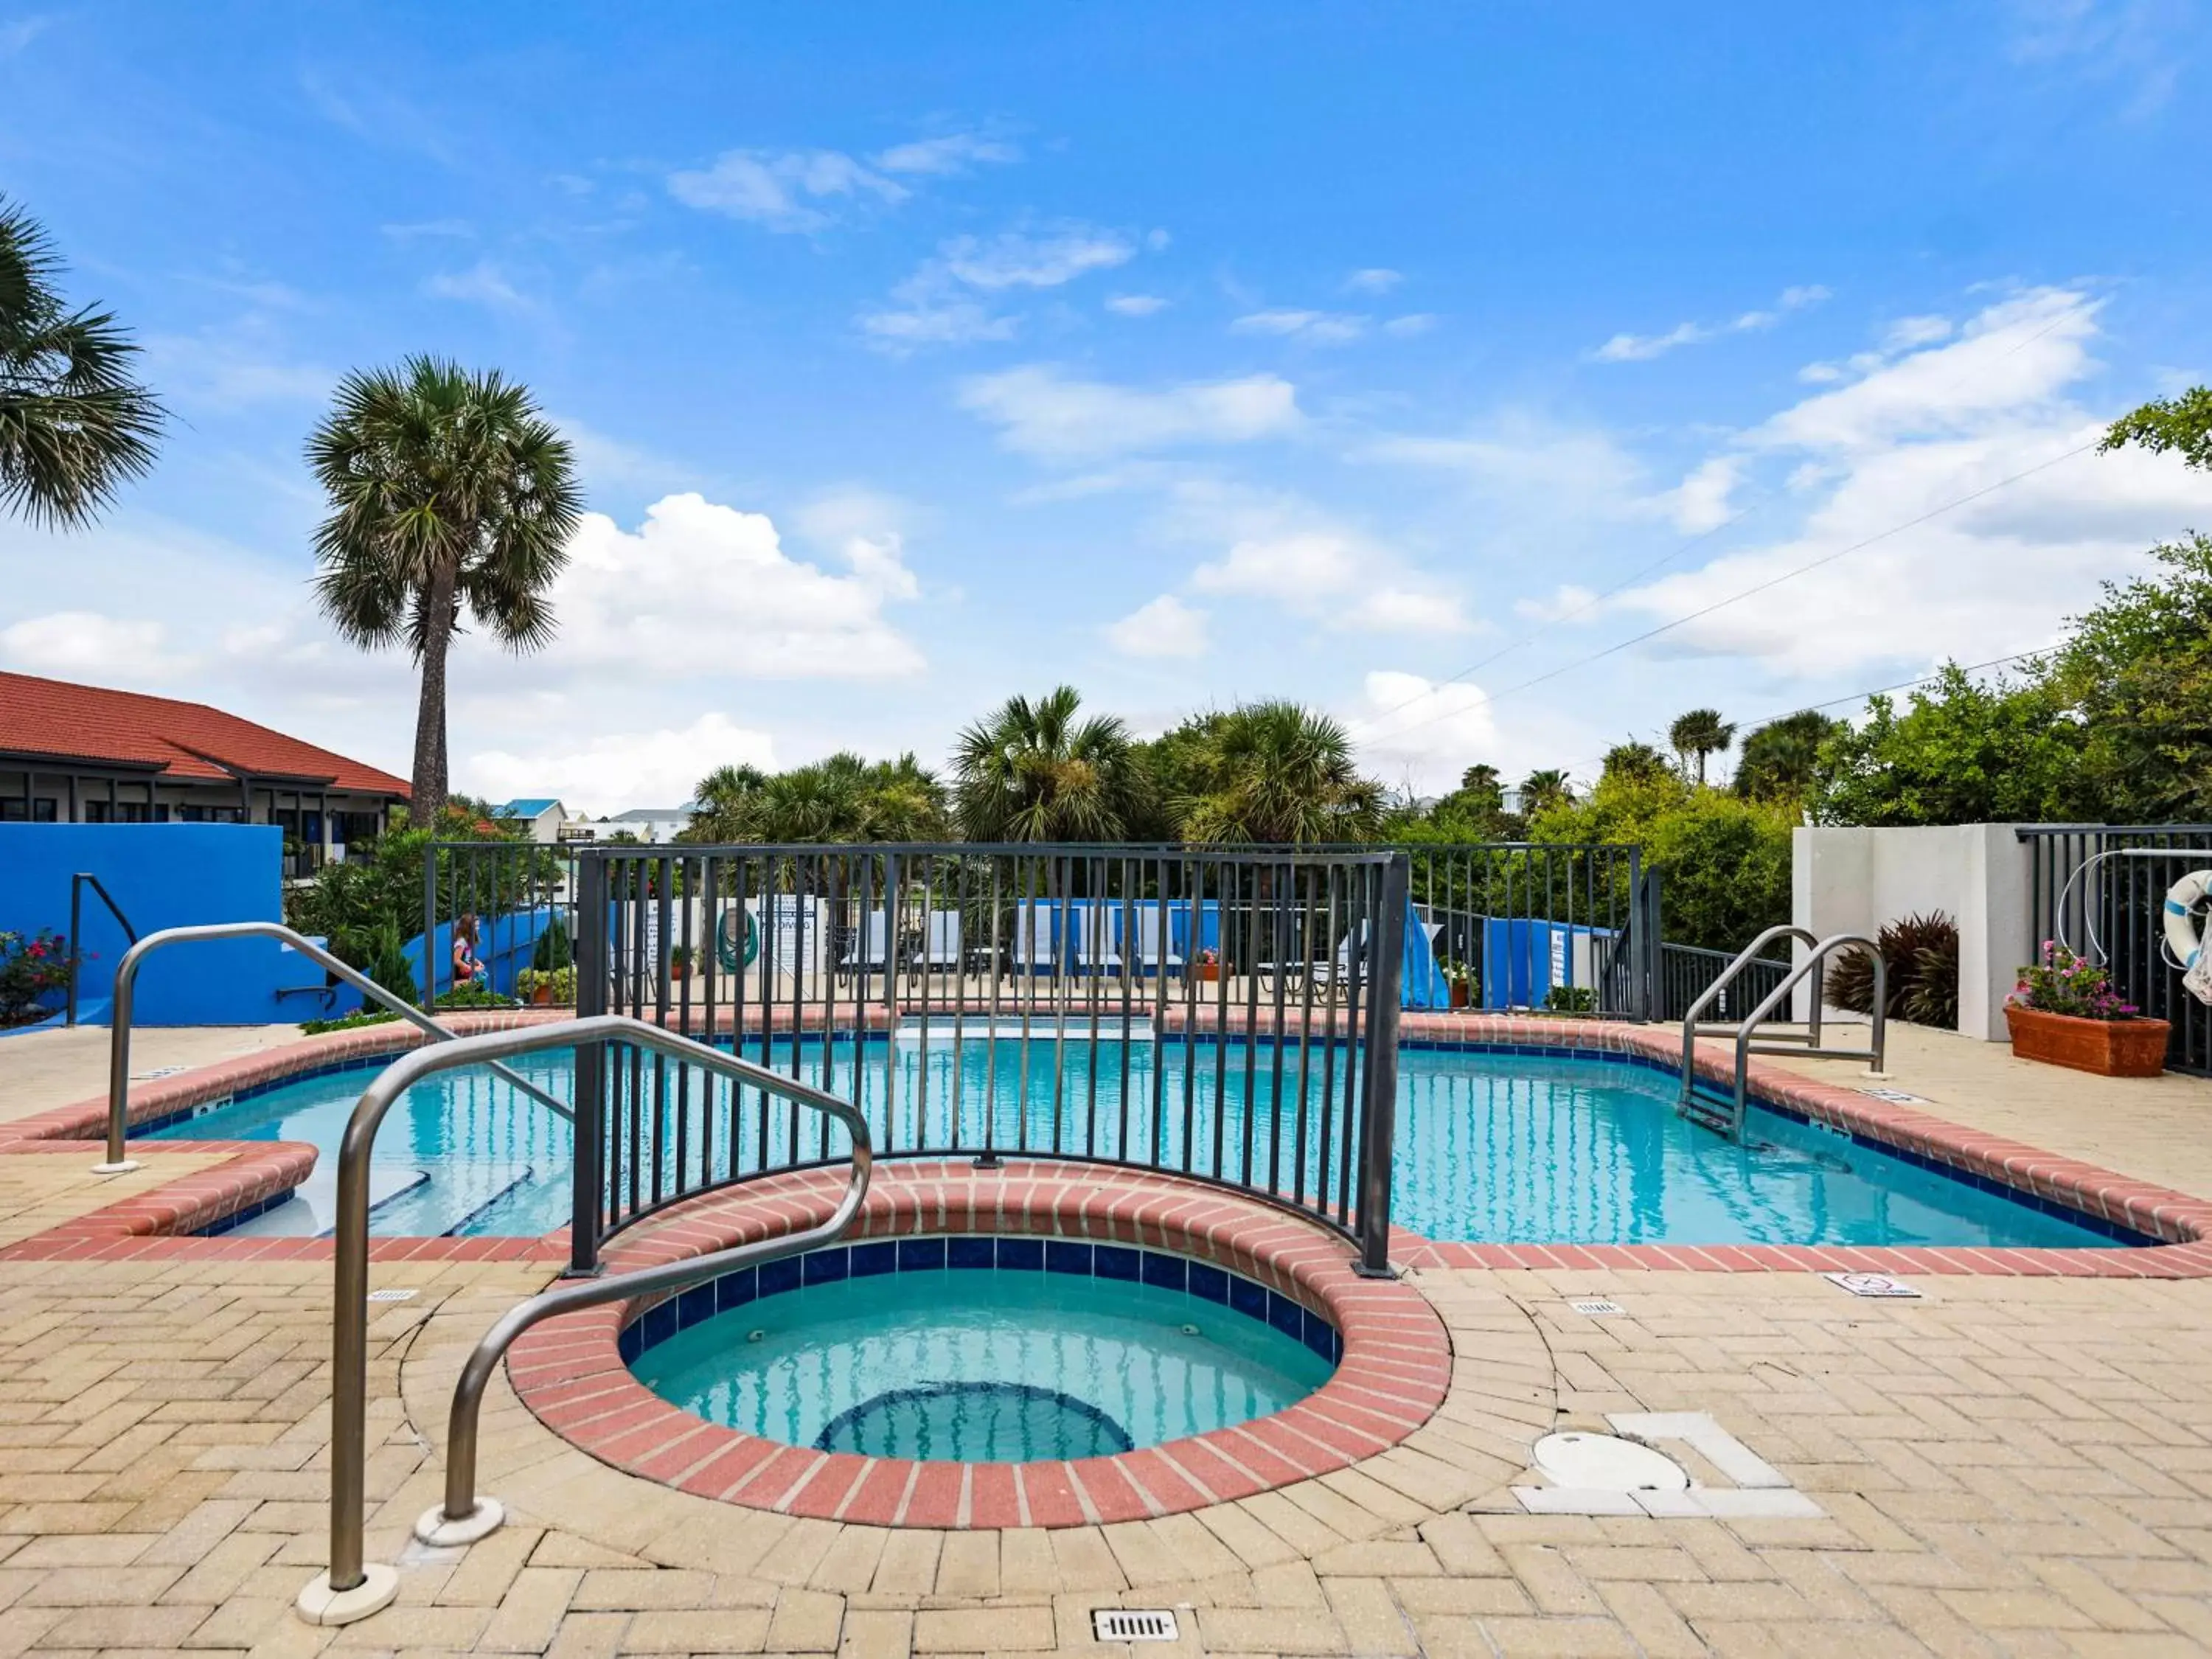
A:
(428, 798)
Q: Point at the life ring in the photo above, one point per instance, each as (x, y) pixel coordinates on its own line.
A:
(2181, 902)
(725, 943)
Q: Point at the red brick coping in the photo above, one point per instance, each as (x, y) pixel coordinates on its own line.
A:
(1396, 1368)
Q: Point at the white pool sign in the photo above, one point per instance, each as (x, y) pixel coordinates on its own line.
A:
(1875, 1285)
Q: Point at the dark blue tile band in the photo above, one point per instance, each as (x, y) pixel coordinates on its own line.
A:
(1120, 1262)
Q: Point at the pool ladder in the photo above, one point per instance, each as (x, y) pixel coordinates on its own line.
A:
(1726, 1117)
(126, 980)
(352, 1589)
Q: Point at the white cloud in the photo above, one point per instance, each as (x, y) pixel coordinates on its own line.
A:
(1015, 259)
(1426, 734)
(1376, 279)
(701, 588)
(940, 303)
(85, 644)
(1570, 601)
(1413, 322)
(1165, 627)
(232, 369)
(1700, 502)
(788, 190)
(19, 35)
(1320, 327)
(421, 228)
(1041, 411)
(1333, 577)
(603, 460)
(1990, 576)
(1641, 348)
(483, 284)
(1909, 333)
(954, 153)
(1135, 305)
(619, 770)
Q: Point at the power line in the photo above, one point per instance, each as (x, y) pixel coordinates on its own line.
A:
(1756, 588)
(1668, 558)
(1857, 696)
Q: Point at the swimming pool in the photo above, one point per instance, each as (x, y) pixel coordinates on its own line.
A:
(981, 1350)
(1524, 1147)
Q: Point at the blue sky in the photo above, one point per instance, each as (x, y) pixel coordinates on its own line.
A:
(1397, 359)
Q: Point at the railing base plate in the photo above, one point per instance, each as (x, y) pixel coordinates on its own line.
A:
(319, 1604)
(1361, 1270)
(434, 1528)
(124, 1167)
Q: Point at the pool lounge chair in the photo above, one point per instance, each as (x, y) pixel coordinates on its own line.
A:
(1153, 948)
(940, 951)
(1094, 927)
(867, 949)
(1032, 948)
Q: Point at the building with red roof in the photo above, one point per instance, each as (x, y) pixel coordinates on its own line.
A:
(84, 754)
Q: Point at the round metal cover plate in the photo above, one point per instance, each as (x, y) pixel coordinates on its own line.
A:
(1604, 1463)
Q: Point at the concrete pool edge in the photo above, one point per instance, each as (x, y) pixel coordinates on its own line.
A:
(1395, 1372)
(2183, 1222)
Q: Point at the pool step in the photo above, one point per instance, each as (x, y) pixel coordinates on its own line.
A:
(1707, 1113)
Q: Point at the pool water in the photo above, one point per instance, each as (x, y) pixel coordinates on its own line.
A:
(981, 1365)
(1494, 1147)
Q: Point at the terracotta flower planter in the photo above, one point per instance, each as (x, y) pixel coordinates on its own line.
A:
(2110, 1047)
(1459, 994)
(1207, 971)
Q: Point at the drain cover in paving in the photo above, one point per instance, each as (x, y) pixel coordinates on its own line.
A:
(1603, 1462)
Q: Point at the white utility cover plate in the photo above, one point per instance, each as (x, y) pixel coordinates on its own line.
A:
(1607, 1463)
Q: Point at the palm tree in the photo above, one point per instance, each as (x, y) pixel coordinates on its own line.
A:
(1634, 762)
(1278, 773)
(1544, 789)
(722, 805)
(1032, 771)
(1781, 758)
(841, 799)
(448, 491)
(73, 424)
(1701, 732)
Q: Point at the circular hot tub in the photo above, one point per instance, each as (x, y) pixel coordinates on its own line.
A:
(981, 1350)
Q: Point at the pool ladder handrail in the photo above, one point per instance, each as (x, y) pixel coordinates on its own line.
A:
(126, 980)
(351, 1589)
(1730, 1121)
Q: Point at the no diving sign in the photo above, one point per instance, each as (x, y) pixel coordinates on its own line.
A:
(1871, 1285)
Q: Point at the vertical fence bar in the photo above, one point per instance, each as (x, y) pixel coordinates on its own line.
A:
(1382, 1073)
(591, 946)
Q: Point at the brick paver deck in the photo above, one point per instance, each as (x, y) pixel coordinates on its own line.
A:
(2009, 1465)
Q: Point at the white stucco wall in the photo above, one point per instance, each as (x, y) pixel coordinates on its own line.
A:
(1851, 881)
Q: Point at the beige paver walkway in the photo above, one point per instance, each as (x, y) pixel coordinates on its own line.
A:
(40, 1070)
(2009, 1467)
(2157, 1129)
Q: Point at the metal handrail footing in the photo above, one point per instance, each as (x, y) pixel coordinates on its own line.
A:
(118, 1161)
(351, 1589)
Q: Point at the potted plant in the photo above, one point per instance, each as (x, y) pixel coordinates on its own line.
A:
(1206, 965)
(1460, 979)
(2064, 1011)
(535, 986)
(679, 962)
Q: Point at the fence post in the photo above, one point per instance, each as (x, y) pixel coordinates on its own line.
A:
(429, 924)
(1648, 959)
(1381, 1104)
(76, 898)
(590, 937)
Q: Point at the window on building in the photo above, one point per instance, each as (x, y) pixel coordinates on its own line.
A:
(43, 808)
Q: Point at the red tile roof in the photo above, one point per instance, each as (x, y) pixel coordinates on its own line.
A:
(55, 719)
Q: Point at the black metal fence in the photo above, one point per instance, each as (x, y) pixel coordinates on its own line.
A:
(1228, 1016)
(1685, 971)
(2100, 890)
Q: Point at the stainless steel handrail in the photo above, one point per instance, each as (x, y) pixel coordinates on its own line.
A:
(126, 980)
(348, 1591)
(1691, 1030)
(1872, 1053)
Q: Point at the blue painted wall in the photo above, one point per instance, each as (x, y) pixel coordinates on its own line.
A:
(164, 875)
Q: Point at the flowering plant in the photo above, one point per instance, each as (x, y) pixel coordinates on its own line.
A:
(2064, 982)
(30, 966)
(1208, 956)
